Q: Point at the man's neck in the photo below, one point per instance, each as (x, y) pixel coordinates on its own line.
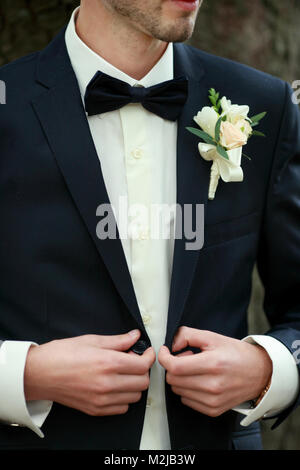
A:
(118, 41)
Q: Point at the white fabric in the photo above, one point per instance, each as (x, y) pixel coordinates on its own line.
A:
(13, 409)
(284, 386)
(137, 152)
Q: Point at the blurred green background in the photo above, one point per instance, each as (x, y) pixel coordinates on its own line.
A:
(261, 33)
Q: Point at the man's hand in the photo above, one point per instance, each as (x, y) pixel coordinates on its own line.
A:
(224, 374)
(91, 373)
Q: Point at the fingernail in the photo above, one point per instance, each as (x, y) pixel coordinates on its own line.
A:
(134, 332)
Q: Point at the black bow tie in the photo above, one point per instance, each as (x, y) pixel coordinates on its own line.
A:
(105, 93)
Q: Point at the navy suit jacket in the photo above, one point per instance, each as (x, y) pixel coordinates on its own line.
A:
(59, 280)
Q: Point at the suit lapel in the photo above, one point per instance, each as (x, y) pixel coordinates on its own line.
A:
(63, 119)
(193, 175)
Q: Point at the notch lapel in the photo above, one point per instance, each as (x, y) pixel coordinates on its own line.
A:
(193, 175)
(62, 116)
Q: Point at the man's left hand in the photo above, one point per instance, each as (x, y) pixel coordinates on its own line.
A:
(226, 373)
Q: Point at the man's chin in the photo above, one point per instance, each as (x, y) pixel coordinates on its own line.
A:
(177, 34)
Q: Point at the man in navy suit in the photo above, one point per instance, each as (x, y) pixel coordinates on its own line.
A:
(134, 342)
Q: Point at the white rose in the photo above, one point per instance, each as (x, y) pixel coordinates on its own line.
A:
(234, 112)
(207, 120)
(245, 127)
(226, 104)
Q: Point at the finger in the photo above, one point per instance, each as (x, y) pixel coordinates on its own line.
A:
(201, 339)
(112, 410)
(165, 358)
(119, 342)
(149, 357)
(119, 398)
(143, 362)
(214, 398)
(128, 383)
(185, 353)
(185, 392)
(192, 364)
(205, 399)
(132, 364)
(206, 410)
(199, 383)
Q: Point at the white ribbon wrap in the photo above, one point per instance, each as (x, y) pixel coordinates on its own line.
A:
(229, 170)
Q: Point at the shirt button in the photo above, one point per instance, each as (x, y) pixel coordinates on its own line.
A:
(146, 319)
(137, 153)
(149, 402)
(144, 234)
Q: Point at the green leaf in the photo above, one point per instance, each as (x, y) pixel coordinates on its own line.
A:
(217, 129)
(258, 117)
(213, 95)
(203, 135)
(221, 151)
(260, 134)
(213, 101)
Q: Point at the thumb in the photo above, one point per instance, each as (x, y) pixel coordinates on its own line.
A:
(185, 353)
(185, 336)
(120, 342)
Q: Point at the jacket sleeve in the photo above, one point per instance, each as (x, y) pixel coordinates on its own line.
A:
(279, 250)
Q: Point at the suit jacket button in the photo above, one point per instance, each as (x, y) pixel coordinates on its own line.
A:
(140, 347)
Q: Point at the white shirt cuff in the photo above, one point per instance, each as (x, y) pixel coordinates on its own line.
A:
(14, 409)
(284, 386)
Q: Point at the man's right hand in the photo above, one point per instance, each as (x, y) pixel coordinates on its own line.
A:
(91, 373)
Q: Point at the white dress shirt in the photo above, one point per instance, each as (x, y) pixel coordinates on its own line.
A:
(137, 153)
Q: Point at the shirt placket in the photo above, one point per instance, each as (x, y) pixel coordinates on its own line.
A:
(144, 261)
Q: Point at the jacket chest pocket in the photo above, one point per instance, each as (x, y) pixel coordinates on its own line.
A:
(227, 231)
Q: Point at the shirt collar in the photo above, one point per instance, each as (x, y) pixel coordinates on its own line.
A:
(86, 62)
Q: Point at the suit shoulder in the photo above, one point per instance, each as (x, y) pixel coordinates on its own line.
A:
(19, 77)
(228, 71)
(19, 66)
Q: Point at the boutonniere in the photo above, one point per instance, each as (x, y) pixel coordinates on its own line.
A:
(225, 129)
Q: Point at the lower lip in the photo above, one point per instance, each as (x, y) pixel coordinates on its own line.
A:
(187, 5)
